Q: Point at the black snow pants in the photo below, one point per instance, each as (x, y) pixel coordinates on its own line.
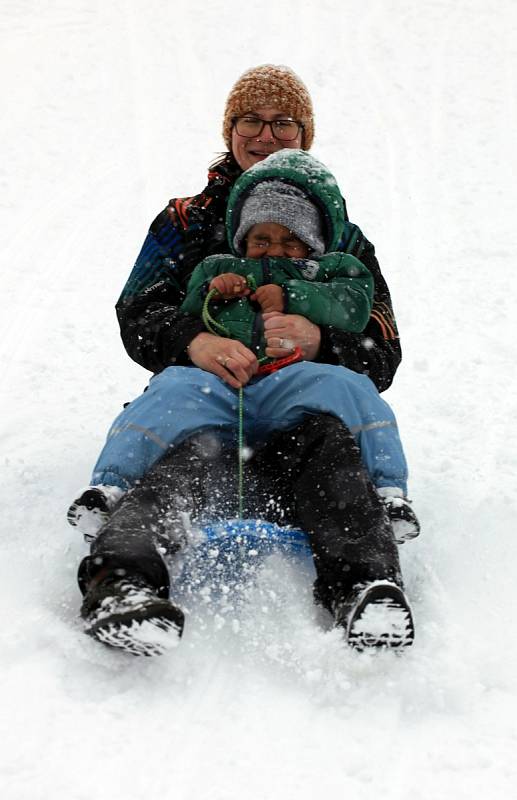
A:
(310, 476)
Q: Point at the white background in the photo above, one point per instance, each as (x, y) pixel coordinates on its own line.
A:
(110, 108)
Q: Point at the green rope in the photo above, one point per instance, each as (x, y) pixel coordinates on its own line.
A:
(241, 451)
(215, 327)
(210, 323)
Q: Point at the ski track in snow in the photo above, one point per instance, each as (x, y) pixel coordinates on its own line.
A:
(113, 108)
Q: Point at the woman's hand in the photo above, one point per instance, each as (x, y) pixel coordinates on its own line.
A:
(284, 332)
(226, 358)
(230, 285)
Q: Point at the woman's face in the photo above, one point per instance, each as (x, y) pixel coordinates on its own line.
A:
(250, 151)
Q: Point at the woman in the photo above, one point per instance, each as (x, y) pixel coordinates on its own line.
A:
(314, 468)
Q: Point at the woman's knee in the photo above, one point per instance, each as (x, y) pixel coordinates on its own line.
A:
(331, 386)
(187, 384)
(175, 377)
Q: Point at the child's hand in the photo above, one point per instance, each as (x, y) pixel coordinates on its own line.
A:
(230, 285)
(270, 297)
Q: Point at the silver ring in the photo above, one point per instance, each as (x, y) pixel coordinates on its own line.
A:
(281, 343)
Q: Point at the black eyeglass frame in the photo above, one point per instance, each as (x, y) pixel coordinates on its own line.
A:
(270, 122)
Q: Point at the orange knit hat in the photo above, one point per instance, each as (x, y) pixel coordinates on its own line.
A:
(270, 85)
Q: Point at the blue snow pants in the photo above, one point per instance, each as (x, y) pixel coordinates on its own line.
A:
(182, 401)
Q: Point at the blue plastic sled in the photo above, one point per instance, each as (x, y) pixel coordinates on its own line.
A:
(233, 550)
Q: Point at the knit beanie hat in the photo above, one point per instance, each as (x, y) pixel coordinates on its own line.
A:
(275, 201)
(270, 85)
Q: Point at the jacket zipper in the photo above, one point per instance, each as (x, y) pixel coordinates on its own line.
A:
(257, 334)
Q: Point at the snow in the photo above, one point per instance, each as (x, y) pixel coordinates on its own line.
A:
(110, 109)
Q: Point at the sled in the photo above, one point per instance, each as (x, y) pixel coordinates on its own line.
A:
(228, 551)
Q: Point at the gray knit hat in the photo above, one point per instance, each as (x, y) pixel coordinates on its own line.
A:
(275, 201)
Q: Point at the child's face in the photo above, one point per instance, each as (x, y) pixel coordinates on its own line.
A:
(271, 239)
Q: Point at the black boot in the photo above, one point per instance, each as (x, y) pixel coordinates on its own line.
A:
(125, 580)
(376, 614)
(126, 612)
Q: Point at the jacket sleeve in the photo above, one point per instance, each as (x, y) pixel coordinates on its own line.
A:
(343, 299)
(154, 329)
(376, 351)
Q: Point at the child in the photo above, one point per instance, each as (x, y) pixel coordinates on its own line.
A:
(283, 223)
(279, 229)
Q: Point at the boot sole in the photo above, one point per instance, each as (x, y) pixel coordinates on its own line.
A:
(141, 633)
(380, 618)
(89, 517)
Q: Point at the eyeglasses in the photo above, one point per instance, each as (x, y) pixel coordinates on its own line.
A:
(285, 130)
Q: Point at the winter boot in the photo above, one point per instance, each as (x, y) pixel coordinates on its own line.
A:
(92, 509)
(376, 614)
(404, 521)
(127, 613)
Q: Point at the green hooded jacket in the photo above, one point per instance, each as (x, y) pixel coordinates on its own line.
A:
(335, 289)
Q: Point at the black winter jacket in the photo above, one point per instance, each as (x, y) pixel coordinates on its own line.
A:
(156, 333)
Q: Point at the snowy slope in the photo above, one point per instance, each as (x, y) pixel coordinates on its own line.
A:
(108, 110)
